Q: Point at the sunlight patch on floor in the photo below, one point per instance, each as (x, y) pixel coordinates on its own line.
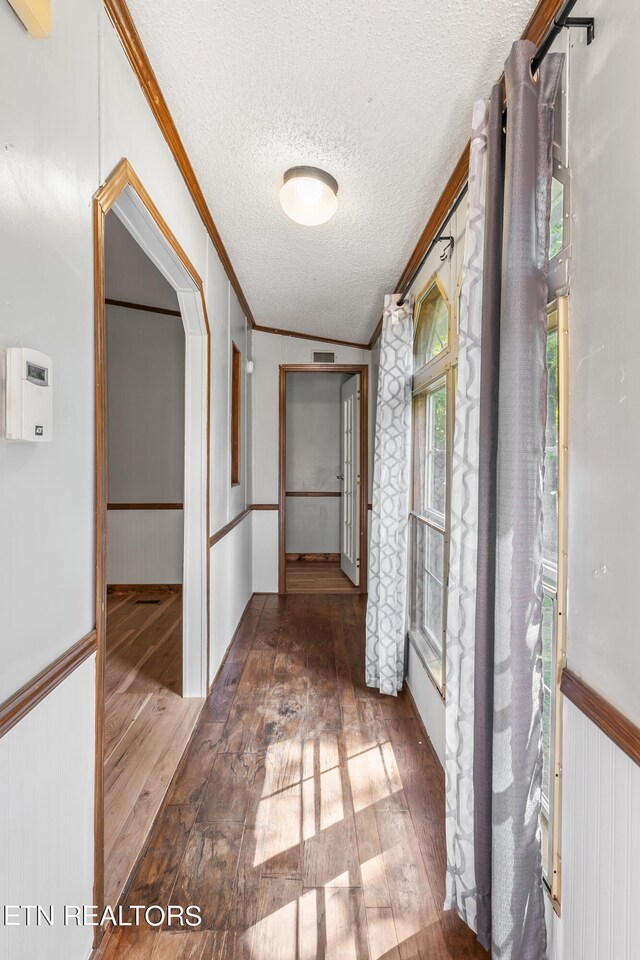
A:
(374, 775)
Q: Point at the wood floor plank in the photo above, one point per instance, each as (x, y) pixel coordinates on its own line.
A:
(256, 675)
(243, 729)
(333, 925)
(152, 944)
(191, 778)
(219, 702)
(155, 876)
(266, 637)
(228, 791)
(244, 638)
(207, 871)
(275, 932)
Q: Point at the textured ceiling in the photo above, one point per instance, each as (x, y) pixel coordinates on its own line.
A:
(377, 92)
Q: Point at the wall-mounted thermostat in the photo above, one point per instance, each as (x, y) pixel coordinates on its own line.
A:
(29, 395)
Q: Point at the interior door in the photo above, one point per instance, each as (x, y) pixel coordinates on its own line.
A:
(350, 477)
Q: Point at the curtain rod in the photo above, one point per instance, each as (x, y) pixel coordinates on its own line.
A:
(561, 22)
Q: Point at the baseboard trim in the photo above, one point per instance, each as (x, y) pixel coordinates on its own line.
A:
(22, 702)
(312, 557)
(144, 588)
(429, 742)
(230, 644)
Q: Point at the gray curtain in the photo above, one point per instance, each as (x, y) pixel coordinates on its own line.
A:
(508, 675)
(389, 535)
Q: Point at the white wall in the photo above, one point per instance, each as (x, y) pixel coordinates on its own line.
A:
(145, 407)
(145, 423)
(231, 588)
(314, 445)
(605, 358)
(46, 818)
(72, 109)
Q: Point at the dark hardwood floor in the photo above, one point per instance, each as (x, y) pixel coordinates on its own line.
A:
(306, 819)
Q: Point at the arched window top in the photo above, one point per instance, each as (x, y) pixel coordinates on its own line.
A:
(431, 335)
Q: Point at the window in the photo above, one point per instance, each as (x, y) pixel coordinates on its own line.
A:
(431, 335)
(236, 388)
(434, 355)
(554, 589)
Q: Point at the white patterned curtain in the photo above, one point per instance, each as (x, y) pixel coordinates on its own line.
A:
(389, 536)
(461, 882)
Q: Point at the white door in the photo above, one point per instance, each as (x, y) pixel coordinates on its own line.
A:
(350, 499)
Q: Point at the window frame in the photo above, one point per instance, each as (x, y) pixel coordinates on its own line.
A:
(429, 377)
(554, 583)
(235, 426)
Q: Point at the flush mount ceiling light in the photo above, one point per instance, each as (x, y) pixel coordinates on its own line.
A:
(309, 195)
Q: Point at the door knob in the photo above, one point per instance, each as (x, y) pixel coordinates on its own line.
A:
(339, 476)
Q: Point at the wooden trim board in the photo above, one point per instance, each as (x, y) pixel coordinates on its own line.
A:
(145, 506)
(363, 370)
(22, 702)
(624, 733)
(141, 306)
(228, 527)
(310, 336)
(143, 588)
(313, 493)
(312, 557)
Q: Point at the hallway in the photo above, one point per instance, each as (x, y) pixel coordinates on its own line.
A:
(307, 817)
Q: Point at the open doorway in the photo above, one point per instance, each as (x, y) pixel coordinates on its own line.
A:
(323, 479)
(147, 722)
(152, 509)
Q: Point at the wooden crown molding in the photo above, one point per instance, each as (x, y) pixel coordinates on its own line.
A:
(311, 336)
(31, 694)
(536, 30)
(613, 724)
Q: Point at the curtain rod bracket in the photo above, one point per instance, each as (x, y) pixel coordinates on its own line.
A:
(587, 23)
(448, 250)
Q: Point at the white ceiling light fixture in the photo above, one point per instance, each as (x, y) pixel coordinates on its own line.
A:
(309, 195)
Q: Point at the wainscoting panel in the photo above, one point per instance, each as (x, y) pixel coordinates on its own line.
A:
(46, 818)
(145, 546)
(600, 846)
(231, 575)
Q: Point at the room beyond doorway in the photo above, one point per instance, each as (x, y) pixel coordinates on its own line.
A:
(323, 460)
